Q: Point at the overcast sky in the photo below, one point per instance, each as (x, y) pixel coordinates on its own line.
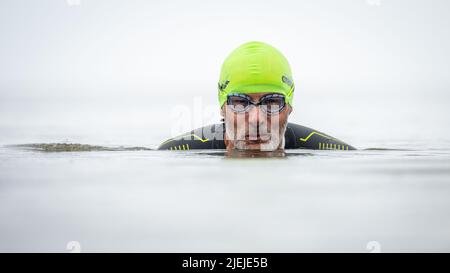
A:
(80, 44)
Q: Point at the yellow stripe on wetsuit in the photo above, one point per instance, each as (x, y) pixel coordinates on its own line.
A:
(332, 146)
(183, 147)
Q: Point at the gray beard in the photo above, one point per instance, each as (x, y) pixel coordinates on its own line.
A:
(276, 141)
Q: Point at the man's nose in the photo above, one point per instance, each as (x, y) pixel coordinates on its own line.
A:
(254, 115)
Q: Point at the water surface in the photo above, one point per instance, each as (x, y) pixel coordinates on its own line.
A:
(122, 199)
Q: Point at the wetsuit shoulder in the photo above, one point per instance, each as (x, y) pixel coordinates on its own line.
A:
(302, 137)
(207, 137)
(296, 137)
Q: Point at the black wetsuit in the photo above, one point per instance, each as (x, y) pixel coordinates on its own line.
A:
(296, 137)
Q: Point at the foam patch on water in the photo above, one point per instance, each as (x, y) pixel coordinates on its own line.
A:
(75, 147)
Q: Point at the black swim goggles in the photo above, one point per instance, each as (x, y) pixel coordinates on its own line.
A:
(270, 103)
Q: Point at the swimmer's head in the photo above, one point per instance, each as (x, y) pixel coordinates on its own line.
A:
(255, 95)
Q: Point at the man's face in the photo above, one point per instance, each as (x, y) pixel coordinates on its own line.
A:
(255, 129)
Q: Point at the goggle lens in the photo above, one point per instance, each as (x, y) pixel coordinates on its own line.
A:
(271, 103)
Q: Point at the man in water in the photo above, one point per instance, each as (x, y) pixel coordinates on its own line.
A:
(255, 93)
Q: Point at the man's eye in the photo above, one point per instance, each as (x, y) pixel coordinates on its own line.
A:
(239, 102)
(273, 102)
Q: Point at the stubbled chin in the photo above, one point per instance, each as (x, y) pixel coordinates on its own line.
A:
(261, 146)
(247, 146)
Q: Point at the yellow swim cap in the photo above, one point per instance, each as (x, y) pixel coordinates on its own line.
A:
(256, 67)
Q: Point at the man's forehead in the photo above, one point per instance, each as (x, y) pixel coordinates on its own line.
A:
(258, 95)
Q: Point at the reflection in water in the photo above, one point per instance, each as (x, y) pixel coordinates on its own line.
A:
(78, 147)
(255, 154)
